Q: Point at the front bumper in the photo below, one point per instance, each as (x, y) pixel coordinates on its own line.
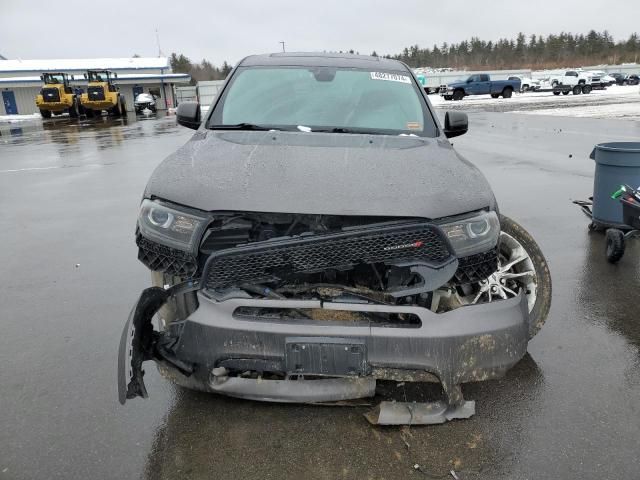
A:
(52, 106)
(470, 343)
(98, 104)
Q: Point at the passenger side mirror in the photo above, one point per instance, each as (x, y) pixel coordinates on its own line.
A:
(188, 115)
(455, 124)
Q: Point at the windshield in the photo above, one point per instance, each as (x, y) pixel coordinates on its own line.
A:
(97, 76)
(343, 100)
(54, 79)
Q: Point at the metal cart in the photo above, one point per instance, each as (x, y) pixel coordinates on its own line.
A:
(616, 238)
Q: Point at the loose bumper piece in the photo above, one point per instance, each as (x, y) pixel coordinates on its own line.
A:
(429, 413)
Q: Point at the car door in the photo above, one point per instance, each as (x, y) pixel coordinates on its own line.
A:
(484, 85)
(473, 84)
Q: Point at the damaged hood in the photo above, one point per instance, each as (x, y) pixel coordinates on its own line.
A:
(321, 173)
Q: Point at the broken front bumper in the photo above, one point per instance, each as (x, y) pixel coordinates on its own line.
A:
(470, 343)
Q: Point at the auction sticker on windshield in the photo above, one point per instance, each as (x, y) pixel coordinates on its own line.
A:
(390, 77)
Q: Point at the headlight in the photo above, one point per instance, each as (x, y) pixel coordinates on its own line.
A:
(473, 235)
(170, 227)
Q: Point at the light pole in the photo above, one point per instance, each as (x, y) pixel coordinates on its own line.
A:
(282, 43)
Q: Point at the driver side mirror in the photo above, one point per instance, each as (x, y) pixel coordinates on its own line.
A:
(455, 124)
(188, 115)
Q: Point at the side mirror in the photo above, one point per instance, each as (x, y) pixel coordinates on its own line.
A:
(469, 80)
(188, 115)
(455, 124)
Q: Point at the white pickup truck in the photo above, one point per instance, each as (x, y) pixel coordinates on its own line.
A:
(571, 77)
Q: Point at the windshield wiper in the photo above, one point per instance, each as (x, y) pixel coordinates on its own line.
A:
(347, 130)
(242, 126)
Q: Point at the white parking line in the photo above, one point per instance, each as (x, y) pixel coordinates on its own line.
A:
(55, 167)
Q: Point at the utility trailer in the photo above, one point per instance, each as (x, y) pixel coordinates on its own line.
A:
(558, 89)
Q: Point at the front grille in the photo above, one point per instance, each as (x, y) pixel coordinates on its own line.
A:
(476, 267)
(165, 259)
(274, 259)
(95, 93)
(50, 94)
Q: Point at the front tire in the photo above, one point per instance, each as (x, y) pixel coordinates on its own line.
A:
(515, 240)
(45, 113)
(615, 245)
(458, 95)
(73, 109)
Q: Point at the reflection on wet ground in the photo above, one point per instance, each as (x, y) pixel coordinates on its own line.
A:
(70, 191)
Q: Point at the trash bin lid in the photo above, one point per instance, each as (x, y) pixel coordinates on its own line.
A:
(621, 154)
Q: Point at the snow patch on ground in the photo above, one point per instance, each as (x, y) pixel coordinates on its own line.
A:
(19, 118)
(614, 102)
(628, 111)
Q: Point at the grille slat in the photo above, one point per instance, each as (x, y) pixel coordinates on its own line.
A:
(165, 259)
(270, 260)
(95, 93)
(51, 94)
(476, 267)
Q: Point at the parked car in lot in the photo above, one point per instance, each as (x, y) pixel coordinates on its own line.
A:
(145, 101)
(479, 84)
(632, 79)
(319, 232)
(601, 79)
(619, 77)
(527, 83)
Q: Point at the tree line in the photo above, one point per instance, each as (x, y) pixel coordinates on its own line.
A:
(204, 70)
(535, 52)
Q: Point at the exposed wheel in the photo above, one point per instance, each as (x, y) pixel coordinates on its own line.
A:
(45, 113)
(73, 109)
(458, 95)
(566, 92)
(615, 245)
(89, 113)
(525, 88)
(116, 110)
(495, 95)
(522, 269)
(507, 92)
(586, 89)
(554, 83)
(556, 93)
(577, 90)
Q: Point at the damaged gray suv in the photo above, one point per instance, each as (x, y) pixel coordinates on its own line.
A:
(318, 233)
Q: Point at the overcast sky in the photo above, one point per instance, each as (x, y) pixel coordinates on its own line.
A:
(228, 30)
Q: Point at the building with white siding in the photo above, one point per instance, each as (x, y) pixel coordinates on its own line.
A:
(20, 79)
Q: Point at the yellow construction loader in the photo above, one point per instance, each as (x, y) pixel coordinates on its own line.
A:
(102, 94)
(57, 96)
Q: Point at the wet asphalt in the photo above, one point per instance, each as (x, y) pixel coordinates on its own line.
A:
(69, 193)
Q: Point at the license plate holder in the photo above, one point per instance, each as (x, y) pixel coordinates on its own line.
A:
(325, 356)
